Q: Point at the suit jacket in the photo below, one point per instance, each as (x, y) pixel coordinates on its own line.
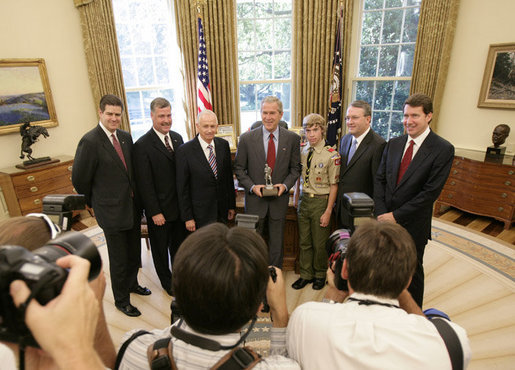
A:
(155, 169)
(249, 166)
(99, 174)
(359, 174)
(202, 196)
(412, 200)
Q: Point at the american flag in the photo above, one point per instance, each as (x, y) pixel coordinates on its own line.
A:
(334, 122)
(203, 86)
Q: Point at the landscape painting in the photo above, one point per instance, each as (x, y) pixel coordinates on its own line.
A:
(25, 95)
(498, 88)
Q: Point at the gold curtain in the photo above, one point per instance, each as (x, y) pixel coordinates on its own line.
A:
(219, 22)
(101, 48)
(436, 27)
(314, 30)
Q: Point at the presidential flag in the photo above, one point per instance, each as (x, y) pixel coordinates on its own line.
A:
(334, 122)
(203, 86)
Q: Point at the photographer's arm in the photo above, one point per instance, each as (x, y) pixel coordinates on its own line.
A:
(407, 303)
(65, 327)
(276, 298)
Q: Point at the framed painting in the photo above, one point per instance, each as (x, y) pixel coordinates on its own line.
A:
(25, 95)
(498, 88)
(230, 139)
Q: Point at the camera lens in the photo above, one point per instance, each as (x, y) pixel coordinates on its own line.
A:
(72, 243)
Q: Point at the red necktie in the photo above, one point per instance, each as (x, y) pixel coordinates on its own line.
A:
(406, 160)
(270, 155)
(118, 149)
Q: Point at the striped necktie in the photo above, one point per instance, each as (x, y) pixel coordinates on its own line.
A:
(167, 144)
(212, 160)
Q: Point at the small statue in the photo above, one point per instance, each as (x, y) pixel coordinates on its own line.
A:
(268, 176)
(30, 135)
(501, 132)
(269, 190)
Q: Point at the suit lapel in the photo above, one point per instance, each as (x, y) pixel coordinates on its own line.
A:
(282, 145)
(397, 152)
(109, 147)
(257, 137)
(362, 148)
(419, 158)
(201, 157)
(219, 155)
(159, 145)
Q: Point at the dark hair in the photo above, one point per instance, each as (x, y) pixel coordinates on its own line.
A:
(220, 277)
(367, 110)
(110, 99)
(420, 100)
(381, 258)
(159, 103)
(28, 232)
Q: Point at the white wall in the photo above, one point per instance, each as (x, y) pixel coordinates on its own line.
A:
(480, 23)
(49, 30)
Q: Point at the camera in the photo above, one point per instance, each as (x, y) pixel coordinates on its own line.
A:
(60, 207)
(336, 247)
(44, 278)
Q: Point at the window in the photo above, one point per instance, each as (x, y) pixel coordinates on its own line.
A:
(150, 61)
(264, 56)
(388, 32)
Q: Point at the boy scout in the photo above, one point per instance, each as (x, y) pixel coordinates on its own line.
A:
(319, 184)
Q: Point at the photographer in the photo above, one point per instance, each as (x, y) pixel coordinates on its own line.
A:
(220, 277)
(379, 326)
(33, 232)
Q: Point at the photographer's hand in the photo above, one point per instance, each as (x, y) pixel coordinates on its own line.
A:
(65, 327)
(332, 293)
(276, 298)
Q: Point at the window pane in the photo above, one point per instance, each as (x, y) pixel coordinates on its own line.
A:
(365, 91)
(396, 126)
(393, 3)
(140, 38)
(263, 66)
(282, 38)
(405, 64)
(244, 8)
(247, 66)
(263, 8)
(401, 94)
(371, 28)
(128, 71)
(282, 64)
(368, 61)
(263, 39)
(245, 34)
(383, 97)
(161, 44)
(373, 4)
(392, 26)
(162, 71)
(388, 60)
(124, 40)
(134, 105)
(410, 25)
(247, 97)
(380, 123)
(145, 71)
(282, 7)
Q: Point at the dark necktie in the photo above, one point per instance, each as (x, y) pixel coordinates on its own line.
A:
(270, 155)
(308, 167)
(212, 160)
(118, 149)
(167, 144)
(406, 160)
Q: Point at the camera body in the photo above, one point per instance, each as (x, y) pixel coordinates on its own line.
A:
(336, 247)
(44, 278)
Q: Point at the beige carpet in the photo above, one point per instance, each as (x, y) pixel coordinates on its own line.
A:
(468, 275)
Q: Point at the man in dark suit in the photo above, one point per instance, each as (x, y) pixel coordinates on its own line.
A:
(102, 171)
(204, 176)
(280, 149)
(360, 150)
(412, 173)
(155, 167)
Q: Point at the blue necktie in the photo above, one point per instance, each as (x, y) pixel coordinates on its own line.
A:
(352, 149)
(212, 160)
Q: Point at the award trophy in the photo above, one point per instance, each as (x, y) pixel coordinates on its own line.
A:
(269, 190)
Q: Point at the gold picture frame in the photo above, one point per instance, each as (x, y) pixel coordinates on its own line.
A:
(25, 95)
(230, 138)
(498, 87)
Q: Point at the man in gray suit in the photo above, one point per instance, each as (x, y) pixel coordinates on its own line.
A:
(280, 149)
(360, 150)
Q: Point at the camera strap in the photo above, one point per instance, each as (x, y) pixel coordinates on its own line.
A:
(36, 288)
(205, 343)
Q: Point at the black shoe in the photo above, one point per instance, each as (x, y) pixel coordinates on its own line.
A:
(301, 283)
(318, 283)
(141, 290)
(129, 310)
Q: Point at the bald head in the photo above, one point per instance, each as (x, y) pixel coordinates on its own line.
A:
(207, 125)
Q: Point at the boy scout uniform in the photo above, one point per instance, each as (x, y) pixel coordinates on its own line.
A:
(323, 171)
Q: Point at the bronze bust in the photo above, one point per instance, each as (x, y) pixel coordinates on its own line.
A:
(499, 135)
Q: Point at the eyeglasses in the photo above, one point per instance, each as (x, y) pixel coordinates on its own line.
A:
(353, 118)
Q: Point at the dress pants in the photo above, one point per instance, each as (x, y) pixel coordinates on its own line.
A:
(124, 249)
(164, 243)
(312, 238)
(275, 238)
(416, 288)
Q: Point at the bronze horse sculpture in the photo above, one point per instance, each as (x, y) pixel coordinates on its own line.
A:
(30, 135)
